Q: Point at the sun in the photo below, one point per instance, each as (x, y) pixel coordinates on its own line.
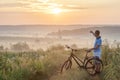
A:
(56, 10)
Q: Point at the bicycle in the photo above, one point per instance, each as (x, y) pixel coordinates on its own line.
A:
(88, 63)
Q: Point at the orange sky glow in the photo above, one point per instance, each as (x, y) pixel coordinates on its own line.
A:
(15, 12)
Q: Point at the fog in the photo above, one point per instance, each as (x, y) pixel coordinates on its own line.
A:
(37, 36)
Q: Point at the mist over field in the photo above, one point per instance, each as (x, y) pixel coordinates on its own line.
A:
(44, 36)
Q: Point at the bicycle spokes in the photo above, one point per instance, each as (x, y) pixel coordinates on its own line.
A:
(91, 66)
(67, 65)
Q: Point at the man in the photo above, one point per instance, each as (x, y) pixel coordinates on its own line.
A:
(97, 47)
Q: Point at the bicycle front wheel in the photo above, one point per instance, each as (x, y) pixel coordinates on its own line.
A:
(66, 65)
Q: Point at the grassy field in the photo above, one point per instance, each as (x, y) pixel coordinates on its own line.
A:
(45, 65)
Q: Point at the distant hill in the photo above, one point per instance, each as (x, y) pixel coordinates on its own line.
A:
(106, 30)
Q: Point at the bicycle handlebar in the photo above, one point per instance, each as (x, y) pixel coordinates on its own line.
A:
(77, 50)
(71, 48)
(74, 49)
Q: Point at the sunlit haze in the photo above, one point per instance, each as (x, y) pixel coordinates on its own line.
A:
(59, 12)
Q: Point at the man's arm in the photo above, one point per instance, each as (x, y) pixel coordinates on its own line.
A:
(92, 33)
(97, 46)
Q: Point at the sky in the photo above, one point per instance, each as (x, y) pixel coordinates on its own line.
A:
(17, 12)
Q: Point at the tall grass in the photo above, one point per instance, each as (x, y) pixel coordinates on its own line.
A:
(111, 59)
(45, 65)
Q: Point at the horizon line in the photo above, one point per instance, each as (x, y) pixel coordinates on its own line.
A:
(56, 24)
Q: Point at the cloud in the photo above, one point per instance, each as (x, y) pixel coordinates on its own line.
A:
(73, 7)
(11, 5)
(40, 6)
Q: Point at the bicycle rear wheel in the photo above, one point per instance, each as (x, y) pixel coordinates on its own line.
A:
(91, 67)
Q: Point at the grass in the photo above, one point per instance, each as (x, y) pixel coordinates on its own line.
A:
(45, 65)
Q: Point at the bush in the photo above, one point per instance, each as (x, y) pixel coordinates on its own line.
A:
(20, 47)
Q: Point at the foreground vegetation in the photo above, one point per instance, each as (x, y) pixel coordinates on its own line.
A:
(45, 65)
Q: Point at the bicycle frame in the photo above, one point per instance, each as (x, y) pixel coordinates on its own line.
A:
(78, 60)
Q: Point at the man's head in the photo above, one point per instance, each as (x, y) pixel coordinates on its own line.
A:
(97, 33)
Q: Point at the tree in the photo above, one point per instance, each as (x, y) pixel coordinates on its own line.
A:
(20, 47)
(1, 48)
